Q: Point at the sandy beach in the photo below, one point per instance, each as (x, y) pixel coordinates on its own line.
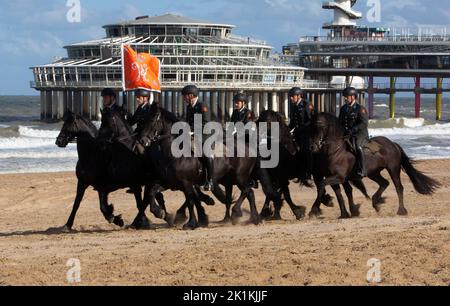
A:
(413, 250)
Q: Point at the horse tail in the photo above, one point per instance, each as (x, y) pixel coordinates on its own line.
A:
(422, 184)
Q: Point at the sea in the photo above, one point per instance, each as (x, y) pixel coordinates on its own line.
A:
(27, 145)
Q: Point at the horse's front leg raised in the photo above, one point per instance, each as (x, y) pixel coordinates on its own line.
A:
(108, 210)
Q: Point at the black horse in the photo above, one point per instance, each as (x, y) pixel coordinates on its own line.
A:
(338, 165)
(91, 168)
(128, 168)
(184, 173)
(289, 168)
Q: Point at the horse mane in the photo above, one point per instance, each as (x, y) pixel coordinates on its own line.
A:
(166, 115)
(331, 122)
(122, 120)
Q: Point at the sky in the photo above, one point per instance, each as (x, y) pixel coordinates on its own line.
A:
(33, 32)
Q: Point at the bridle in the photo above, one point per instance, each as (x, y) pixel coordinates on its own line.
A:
(323, 141)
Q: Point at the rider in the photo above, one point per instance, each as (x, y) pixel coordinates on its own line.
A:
(146, 107)
(300, 125)
(194, 107)
(355, 120)
(109, 104)
(109, 101)
(241, 113)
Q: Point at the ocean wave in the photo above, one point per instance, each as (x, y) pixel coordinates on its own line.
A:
(62, 154)
(26, 143)
(398, 123)
(382, 105)
(36, 133)
(428, 130)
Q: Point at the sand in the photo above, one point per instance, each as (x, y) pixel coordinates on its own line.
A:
(412, 250)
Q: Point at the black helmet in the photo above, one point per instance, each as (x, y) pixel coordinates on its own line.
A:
(108, 92)
(240, 97)
(142, 93)
(190, 90)
(296, 91)
(350, 91)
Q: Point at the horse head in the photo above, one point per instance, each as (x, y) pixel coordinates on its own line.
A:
(159, 124)
(326, 131)
(285, 138)
(74, 127)
(116, 129)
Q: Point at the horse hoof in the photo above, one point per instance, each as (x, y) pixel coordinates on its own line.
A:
(299, 213)
(180, 218)
(266, 213)
(66, 229)
(119, 221)
(315, 213)
(141, 224)
(402, 212)
(204, 223)
(377, 208)
(189, 226)
(355, 211)
(345, 216)
(226, 220)
(255, 220)
(170, 220)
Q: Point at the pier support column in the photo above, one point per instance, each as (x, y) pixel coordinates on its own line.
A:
(43, 104)
(174, 102)
(214, 96)
(392, 98)
(265, 101)
(286, 102)
(256, 100)
(440, 82)
(274, 99)
(417, 93)
(230, 105)
(371, 98)
(181, 103)
(222, 106)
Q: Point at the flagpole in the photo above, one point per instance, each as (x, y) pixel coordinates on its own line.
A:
(124, 92)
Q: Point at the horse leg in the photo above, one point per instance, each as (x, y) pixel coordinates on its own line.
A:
(181, 216)
(108, 210)
(315, 210)
(237, 211)
(229, 200)
(81, 189)
(377, 198)
(254, 216)
(150, 194)
(266, 212)
(354, 208)
(204, 197)
(344, 212)
(141, 221)
(162, 203)
(190, 198)
(299, 211)
(395, 176)
(203, 220)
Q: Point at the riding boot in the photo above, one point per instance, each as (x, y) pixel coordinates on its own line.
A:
(362, 172)
(209, 185)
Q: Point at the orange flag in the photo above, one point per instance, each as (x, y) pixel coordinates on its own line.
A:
(140, 70)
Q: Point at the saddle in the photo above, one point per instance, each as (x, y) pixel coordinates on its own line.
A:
(371, 147)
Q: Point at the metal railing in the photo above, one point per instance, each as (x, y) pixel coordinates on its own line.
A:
(399, 38)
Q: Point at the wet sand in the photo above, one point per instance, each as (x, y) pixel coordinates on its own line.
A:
(413, 250)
